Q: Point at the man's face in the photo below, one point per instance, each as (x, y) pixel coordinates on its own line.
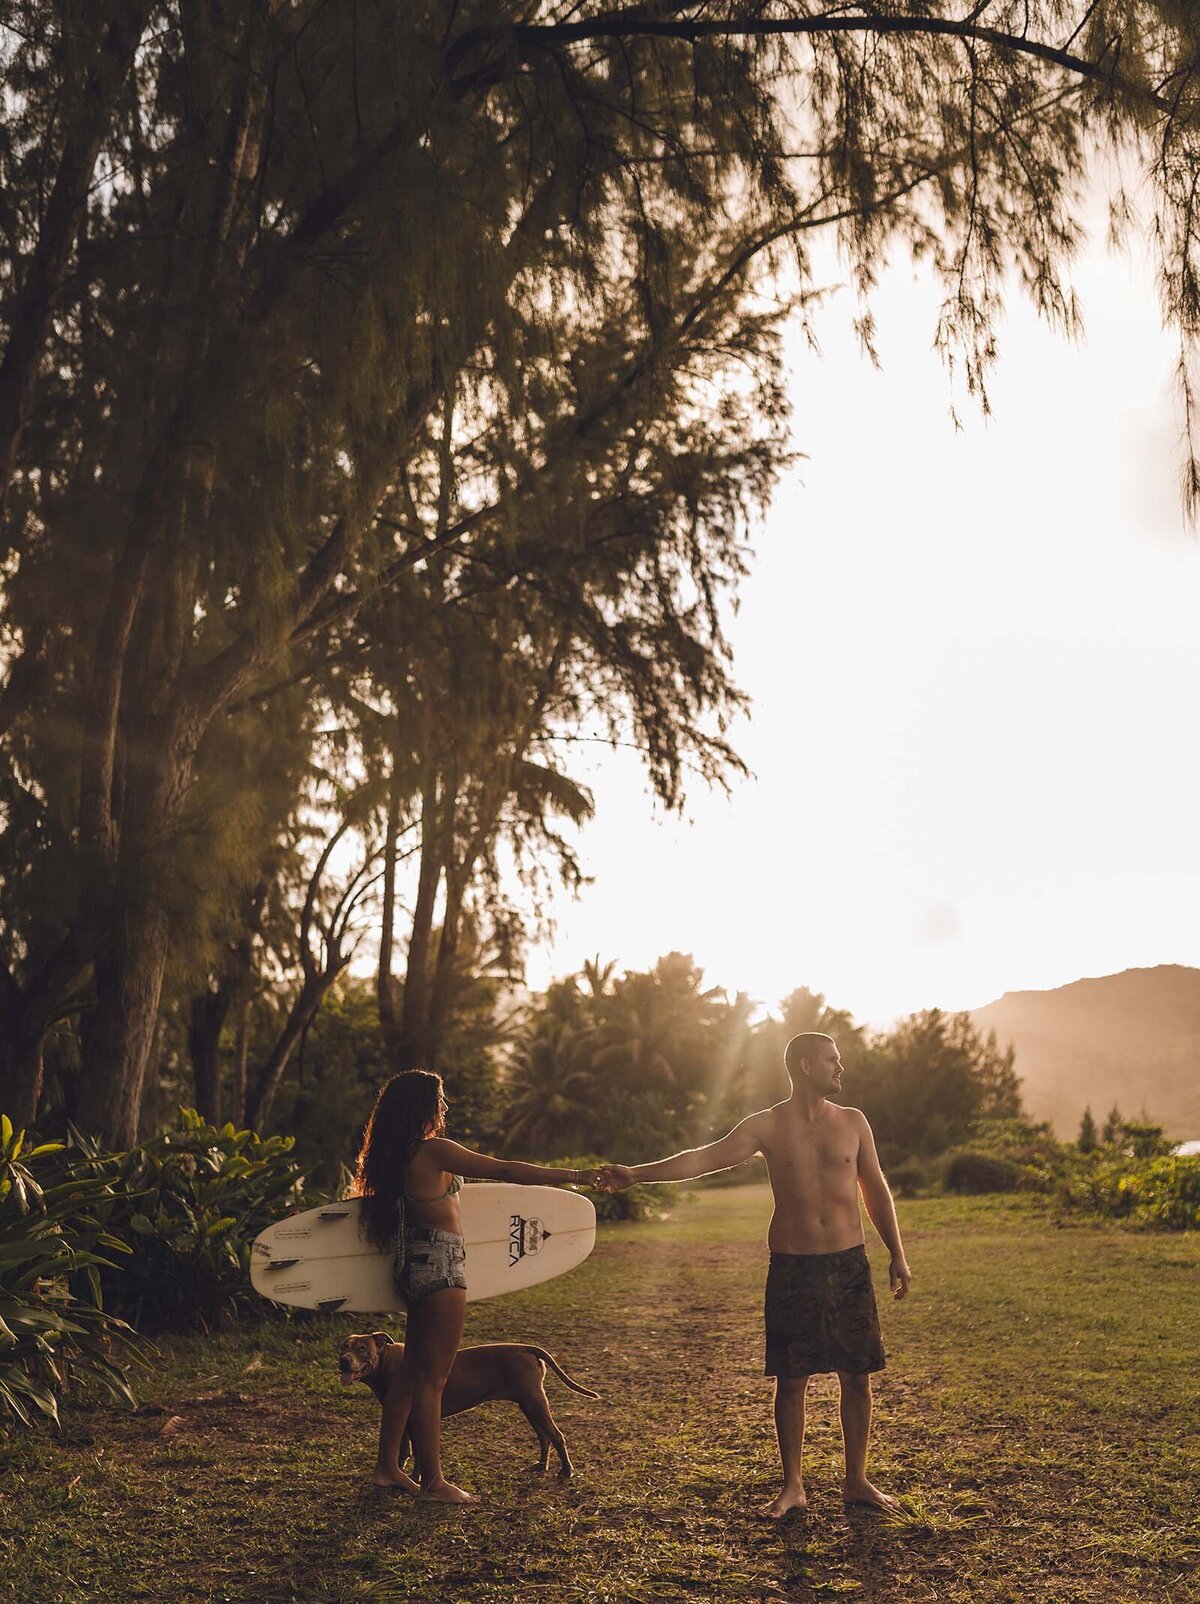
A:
(825, 1070)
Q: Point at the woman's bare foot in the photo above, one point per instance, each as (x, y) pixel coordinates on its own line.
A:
(862, 1492)
(791, 1499)
(445, 1492)
(397, 1479)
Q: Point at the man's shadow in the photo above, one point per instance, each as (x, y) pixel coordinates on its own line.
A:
(822, 1548)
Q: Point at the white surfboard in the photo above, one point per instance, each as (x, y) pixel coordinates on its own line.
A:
(516, 1236)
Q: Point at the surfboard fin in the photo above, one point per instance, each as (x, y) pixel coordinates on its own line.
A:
(330, 1305)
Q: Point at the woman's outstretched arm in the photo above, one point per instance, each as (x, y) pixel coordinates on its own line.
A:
(461, 1160)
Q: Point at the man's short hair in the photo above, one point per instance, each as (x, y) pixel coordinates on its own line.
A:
(806, 1045)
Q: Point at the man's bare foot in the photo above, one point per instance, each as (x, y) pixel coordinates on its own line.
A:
(445, 1492)
(862, 1493)
(791, 1499)
(396, 1479)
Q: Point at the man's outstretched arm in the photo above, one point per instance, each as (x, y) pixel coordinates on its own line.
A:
(741, 1143)
(878, 1199)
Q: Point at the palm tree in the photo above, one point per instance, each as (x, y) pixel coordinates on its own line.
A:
(551, 1088)
(805, 1010)
(654, 1027)
(597, 977)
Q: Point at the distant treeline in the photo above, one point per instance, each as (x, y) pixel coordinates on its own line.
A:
(640, 1063)
(628, 1064)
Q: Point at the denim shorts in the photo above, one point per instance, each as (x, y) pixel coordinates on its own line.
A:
(433, 1261)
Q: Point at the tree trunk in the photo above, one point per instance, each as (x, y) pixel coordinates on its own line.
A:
(385, 985)
(241, 1055)
(408, 1051)
(20, 1076)
(119, 1033)
(303, 1011)
(206, 1020)
(441, 995)
(26, 1014)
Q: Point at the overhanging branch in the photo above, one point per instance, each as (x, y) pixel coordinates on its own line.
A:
(529, 38)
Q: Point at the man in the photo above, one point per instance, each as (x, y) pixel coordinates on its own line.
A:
(820, 1305)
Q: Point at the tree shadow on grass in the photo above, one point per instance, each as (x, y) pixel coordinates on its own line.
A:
(369, 1544)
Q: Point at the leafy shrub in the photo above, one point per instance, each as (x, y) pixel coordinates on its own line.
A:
(189, 1204)
(1162, 1193)
(908, 1178)
(645, 1201)
(1142, 1139)
(1044, 1160)
(970, 1171)
(52, 1325)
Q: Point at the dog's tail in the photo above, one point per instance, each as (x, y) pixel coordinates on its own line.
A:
(549, 1359)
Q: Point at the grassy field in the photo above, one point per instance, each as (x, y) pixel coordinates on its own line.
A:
(1040, 1415)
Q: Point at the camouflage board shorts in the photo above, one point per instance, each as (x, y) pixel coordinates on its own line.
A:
(821, 1314)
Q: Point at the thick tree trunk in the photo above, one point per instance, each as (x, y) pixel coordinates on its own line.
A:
(119, 1033)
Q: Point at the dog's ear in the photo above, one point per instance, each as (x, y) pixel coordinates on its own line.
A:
(383, 1339)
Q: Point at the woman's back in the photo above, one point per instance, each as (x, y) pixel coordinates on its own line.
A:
(431, 1193)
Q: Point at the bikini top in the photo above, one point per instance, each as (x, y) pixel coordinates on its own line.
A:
(456, 1185)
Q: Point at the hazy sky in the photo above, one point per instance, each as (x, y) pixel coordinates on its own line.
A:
(975, 668)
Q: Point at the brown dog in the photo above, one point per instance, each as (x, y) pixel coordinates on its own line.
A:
(494, 1370)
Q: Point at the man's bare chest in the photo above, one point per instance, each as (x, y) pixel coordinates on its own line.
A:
(827, 1153)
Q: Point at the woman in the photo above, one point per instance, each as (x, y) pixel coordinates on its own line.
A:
(409, 1175)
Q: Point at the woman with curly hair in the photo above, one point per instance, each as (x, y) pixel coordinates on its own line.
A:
(409, 1175)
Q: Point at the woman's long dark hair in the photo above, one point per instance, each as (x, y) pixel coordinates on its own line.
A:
(404, 1111)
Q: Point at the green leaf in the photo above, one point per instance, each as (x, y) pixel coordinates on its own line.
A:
(19, 1249)
(37, 1393)
(13, 1402)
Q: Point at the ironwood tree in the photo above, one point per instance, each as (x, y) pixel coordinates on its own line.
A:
(243, 249)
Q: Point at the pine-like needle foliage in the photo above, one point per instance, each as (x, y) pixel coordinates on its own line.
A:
(261, 265)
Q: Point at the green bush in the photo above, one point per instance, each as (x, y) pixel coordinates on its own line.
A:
(189, 1204)
(1044, 1160)
(909, 1178)
(972, 1172)
(52, 1324)
(1161, 1193)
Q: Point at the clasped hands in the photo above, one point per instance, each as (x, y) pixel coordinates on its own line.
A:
(607, 1177)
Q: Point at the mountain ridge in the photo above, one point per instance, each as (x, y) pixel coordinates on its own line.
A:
(1131, 1039)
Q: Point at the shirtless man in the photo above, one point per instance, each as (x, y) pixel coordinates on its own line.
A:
(820, 1305)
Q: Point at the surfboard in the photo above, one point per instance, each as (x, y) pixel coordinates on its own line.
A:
(516, 1237)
